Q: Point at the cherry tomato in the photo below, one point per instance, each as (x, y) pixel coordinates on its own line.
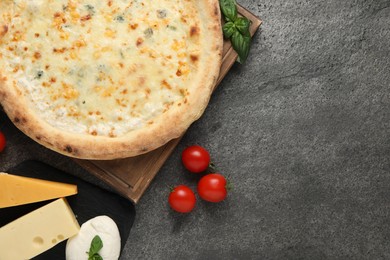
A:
(195, 158)
(2, 141)
(182, 199)
(212, 187)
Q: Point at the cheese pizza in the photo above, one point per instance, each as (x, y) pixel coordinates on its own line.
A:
(107, 79)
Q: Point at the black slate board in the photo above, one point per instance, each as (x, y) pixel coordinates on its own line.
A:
(91, 201)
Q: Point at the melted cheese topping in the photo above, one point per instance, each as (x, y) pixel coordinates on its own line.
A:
(100, 67)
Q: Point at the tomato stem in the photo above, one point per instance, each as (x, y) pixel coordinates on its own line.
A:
(171, 188)
(212, 167)
(229, 185)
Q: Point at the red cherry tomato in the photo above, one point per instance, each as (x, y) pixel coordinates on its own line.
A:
(195, 158)
(212, 187)
(2, 141)
(182, 199)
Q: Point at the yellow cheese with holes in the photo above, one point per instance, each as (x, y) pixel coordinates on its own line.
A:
(18, 190)
(38, 231)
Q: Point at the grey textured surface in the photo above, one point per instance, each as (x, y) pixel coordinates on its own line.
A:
(302, 130)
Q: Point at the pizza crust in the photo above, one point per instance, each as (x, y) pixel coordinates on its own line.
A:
(164, 127)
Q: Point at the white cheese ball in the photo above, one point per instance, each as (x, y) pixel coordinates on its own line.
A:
(106, 229)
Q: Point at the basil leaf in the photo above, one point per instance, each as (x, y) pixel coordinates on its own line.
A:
(95, 257)
(229, 9)
(96, 245)
(228, 29)
(236, 29)
(242, 24)
(241, 44)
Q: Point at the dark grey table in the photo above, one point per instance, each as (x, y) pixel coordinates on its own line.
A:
(303, 132)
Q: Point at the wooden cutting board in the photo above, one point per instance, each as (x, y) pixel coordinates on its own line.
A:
(131, 176)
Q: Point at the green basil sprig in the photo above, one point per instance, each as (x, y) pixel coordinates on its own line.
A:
(96, 245)
(236, 29)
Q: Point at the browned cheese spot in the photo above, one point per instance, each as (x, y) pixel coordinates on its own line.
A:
(133, 26)
(61, 50)
(165, 84)
(86, 18)
(194, 31)
(37, 55)
(139, 41)
(111, 134)
(3, 30)
(194, 58)
(183, 92)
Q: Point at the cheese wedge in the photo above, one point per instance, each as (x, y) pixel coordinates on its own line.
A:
(38, 231)
(18, 190)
